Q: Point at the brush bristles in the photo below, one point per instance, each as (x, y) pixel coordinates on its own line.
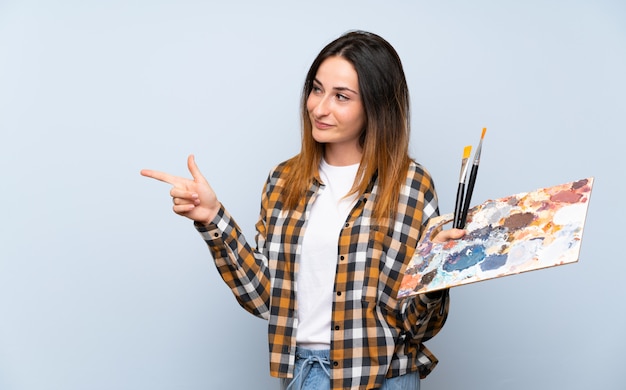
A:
(466, 151)
(484, 131)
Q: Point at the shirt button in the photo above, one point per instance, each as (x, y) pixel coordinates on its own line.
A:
(342, 257)
(337, 327)
(347, 224)
(335, 363)
(216, 235)
(338, 293)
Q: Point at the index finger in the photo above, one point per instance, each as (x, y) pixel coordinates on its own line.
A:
(161, 176)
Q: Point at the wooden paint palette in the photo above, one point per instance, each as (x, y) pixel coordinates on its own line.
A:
(507, 236)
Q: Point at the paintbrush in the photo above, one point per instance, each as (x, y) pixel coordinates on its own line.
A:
(457, 212)
(461, 190)
(471, 182)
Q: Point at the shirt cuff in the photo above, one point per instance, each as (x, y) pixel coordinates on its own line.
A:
(211, 231)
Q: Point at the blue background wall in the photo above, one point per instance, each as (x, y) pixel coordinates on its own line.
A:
(103, 287)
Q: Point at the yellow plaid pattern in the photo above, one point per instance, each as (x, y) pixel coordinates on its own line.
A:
(373, 334)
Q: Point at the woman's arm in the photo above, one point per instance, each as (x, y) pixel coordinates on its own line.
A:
(243, 269)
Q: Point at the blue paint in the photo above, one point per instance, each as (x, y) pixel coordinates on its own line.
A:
(493, 262)
(464, 259)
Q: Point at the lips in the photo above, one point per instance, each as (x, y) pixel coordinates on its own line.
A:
(322, 125)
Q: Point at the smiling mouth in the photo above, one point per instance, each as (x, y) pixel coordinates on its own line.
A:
(322, 125)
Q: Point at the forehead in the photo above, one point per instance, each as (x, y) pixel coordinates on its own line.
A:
(337, 72)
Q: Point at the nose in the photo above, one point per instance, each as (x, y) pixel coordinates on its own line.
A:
(319, 105)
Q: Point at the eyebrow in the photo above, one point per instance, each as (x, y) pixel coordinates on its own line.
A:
(337, 88)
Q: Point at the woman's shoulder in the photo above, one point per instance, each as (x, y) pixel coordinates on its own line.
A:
(279, 173)
(281, 168)
(418, 172)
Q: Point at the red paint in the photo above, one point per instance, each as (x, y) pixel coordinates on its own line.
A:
(566, 197)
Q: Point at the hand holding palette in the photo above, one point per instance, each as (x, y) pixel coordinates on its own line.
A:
(507, 236)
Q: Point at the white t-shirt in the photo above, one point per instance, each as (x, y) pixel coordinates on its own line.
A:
(316, 276)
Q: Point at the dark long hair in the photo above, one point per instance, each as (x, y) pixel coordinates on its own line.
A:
(385, 97)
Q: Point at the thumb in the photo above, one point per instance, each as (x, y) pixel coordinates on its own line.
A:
(194, 170)
(447, 235)
(456, 233)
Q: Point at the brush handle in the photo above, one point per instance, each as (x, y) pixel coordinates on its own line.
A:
(458, 205)
(468, 196)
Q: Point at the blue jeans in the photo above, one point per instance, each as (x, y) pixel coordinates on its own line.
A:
(312, 372)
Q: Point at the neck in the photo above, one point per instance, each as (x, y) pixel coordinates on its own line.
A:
(339, 155)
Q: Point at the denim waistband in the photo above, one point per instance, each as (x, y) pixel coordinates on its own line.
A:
(304, 353)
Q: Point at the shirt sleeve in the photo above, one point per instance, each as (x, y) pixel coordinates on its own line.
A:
(424, 315)
(243, 268)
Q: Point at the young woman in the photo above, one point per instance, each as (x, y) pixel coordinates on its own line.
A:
(338, 222)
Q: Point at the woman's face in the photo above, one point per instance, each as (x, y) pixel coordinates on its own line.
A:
(336, 111)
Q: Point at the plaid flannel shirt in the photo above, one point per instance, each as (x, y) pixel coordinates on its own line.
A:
(374, 335)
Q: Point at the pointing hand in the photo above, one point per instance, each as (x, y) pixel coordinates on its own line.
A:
(193, 198)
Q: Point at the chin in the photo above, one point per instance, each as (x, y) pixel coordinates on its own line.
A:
(320, 138)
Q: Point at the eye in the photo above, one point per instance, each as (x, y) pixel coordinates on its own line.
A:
(342, 98)
(316, 89)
